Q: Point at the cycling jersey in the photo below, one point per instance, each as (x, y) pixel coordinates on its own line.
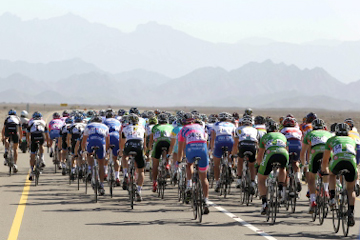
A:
(306, 128)
(316, 139)
(36, 128)
(133, 132)
(355, 135)
(63, 134)
(114, 126)
(12, 125)
(24, 122)
(76, 130)
(344, 150)
(261, 129)
(195, 137)
(208, 130)
(134, 135)
(97, 134)
(161, 137)
(293, 136)
(148, 129)
(174, 135)
(55, 126)
(224, 132)
(248, 138)
(274, 144)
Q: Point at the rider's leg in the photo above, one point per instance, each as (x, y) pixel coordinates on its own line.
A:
(15, 150)
(216, 168)
(155, 165)
(205, 184)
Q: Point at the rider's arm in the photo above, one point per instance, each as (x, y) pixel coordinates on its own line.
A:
(3, 133)
(235, 145)
(260, 155)
(304, 149)
(151, 141)
(172, 144)
(83, 143)
(212, 139)
(325, 161)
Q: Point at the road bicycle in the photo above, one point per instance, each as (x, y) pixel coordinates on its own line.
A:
(197, 198)
(225, 174)
(272, 193)
(162, 173)
(131, 178)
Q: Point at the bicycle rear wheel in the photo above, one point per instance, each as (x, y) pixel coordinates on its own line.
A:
(200, 201)
(96, 183)
(294, 197)
(194, 198)
(344, 212)
(336, 214)
(322, 204)
(132, 190)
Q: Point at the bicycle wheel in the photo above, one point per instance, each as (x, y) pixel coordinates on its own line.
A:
(194, 200)
(242, 192)
(336, 214)
(163, 184)
(37, 173)
(272, 203)
(321, 204)
(344, 212)
(247, 193)
(78, 177)
(86, 171)
(96, 183)
(200, 201)
(294, 197)
(275, 203)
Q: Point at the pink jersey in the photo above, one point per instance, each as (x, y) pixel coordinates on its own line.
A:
(192, 133)
(55, 124)
(292, 133)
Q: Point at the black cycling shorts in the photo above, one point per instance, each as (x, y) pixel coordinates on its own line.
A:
(135, 145)
(280, 158)
(349, 177)
(36, 137)
(247, 146)
(157, 149)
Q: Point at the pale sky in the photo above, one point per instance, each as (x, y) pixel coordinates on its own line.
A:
(212, 20)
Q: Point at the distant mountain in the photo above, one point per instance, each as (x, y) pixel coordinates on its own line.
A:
(159, 48)
(52, 71)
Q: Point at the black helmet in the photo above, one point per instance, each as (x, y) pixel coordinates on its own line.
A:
(151, 114)
(110, 113)
(311, 117)
(236, 115)
(133, 119)
(145, 114)
(172, 118)
(332, 127)
(342, 129)
(271, 126)
(163, 118)
(188, 118)
(96, 119)
(195, 113)
(223, 116)
(349, 122)
(121, 112)
(90, 113)
(259, 120)
(134, 110)
(318, 124)
(56, 115)
(65, 113)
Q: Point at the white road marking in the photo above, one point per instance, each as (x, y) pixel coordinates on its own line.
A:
(242, 222)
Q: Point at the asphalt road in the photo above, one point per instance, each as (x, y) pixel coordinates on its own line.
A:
(57, 210)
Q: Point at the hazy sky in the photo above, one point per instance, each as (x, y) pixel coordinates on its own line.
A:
(212, 20)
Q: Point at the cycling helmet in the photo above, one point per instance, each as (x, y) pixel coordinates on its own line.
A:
(180, 113)
(133, 119)
(157, 112)
(318, 124)
(236, 115)
(12, 112)
(268, 119)
(195, 112)
(212, 120)
(246, 121)
(188, 118)
(90, 113)
(172, 118)
(289, 122)
(97, 119)
(163, 118)
(134, 110)
(37, 115)
(78, 118)
(121, 112)
(290, 115)
(224, 116)
(153, 120)
(65, 113)
(24, 114)
(271, 126)
(259, 120)
(332, 127)
(102, 113)
(56, 115)
(342, 129)
(281, 119)
(311, 117)
(110, 114)
(145, 114)
(151, 114)
(69, 120)
(124, 119)
(248, 111)
(204, 117)
(349, 122)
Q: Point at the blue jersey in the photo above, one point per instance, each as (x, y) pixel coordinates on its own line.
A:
(113, 125)
(96, 131)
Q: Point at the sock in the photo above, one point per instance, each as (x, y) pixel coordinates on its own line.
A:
(6, 150)
(312, 197)
(357, 182)
(139, 189)
(106, 169)
(188, 183)
(206, 200)
(117, 174)
(326, 187)
(125, 171)
(263, 199)
(351, 208)
(297, 176)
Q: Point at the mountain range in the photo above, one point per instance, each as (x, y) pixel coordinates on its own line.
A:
(155, 48)
(262, 85)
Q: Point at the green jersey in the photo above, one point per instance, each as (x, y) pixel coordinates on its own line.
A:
(273, 140)
(162, 132)
(343, 147)
(316, 137)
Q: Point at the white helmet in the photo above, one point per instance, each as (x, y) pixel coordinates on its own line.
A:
(24, 113)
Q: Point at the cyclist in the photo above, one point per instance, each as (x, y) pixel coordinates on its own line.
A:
(90, 114)
(307, 127)
(55, 126)
(209, 127)
(12, 132)
(102, 114)
(192, 140)
(64, 145)
(24, 119)
(37, 132)
(174, 145)
(65, 115)
(133, 136)
(159, 139)
(149, 126)
(121, 113)
(114, 126)
(246, 139)
(353, 133)
(97, 134)
(272, 148)
(312, 152)
(74, 134)
(222, 135)
(293, 136)
(343, 148)
(260, 125)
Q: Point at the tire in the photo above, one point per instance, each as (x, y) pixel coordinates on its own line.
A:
(78, 178)
(131, 191)
(200, 201)
(96, 183)
(344, 212)
(336, 215)
(322, 205)
(194, 201)
(162, 189)
(293, 199)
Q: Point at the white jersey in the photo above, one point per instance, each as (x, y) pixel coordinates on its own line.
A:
(12, 120)
(37, 126)
(224, 129)
(149, 129)
(247, 133)
(134, 132)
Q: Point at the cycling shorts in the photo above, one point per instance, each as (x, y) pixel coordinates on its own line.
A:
(114, 140)
(63, 142)
(315, 157)
(13, 137)
(272, 155)
(336, 165)
(357, 154)
(247, 146)
(100, 153)
(157, 148)
(198, 150)
(36, 137)
(135, 145)
(54, 133)
(294, 147)
(222, 141)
